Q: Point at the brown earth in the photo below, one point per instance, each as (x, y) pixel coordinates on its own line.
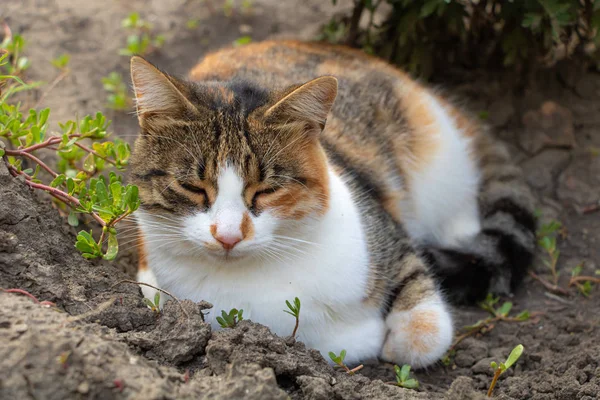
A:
(118, 348)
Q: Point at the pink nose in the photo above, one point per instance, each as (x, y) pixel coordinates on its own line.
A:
(228, 241)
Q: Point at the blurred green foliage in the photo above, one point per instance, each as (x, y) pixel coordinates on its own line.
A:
(422, 35)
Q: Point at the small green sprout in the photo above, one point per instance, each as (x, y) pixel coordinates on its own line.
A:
(61, 62)
(117, 98)
(294, 311)
(547, 235)
(339, 361)
(242, 41)
(500, 369)
(584, 284)
(154, 305)
(141, 41)
(497, 314)
(230, 320)
(403, 378)
(192, 23)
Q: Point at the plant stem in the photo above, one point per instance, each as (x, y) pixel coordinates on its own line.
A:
(155, 288)
(21, 153)
(94, 152)
(65, 197)
(553, 288)
(296, 327)
(355, 369)
(494, 380)
(577, 279)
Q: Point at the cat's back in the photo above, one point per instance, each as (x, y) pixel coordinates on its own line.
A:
(387, 131)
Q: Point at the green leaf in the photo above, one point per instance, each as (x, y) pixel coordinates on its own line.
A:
(56, 182)
(577, 270)
(404, 372)
(523, 316)
(148, 303)
(505, 309)
(157, 299)
(242, 41)
(343, 355)
(333, 357)
(2, 152)
(546, 243)
(411, 384)
(494, 365)
(89, 163)
(113, 247)
(73, 220)
(514, 356)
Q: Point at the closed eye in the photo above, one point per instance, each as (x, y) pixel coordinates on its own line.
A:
(193, 189)
(263, 192)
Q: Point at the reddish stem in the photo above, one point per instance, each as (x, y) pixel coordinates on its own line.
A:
(494, 380)
(48, 142)
(21, 153)
(576, 279)
(94, 152)
(553, 288)
(55, 192)
(296, 327)
(32, 297)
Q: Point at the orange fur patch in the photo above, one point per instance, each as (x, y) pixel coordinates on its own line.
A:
(422, 325)
(247, 227)
(142, 257)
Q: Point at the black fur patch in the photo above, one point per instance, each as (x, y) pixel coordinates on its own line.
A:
(521, 215)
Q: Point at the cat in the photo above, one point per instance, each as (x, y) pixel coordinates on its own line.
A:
(286, 169)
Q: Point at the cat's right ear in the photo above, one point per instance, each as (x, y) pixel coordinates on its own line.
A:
(157, 94)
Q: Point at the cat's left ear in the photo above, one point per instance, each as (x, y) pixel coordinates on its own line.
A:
(307, 105)
(156, 94)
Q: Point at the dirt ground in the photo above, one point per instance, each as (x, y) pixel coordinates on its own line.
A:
(552, 125)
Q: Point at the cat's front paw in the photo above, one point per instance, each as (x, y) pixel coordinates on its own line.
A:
(419, 336)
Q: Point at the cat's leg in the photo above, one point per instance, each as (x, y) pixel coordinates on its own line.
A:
(360, 337)
(145, 275)
(419, 322)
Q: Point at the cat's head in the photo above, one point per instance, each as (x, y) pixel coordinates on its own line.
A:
(228, 169)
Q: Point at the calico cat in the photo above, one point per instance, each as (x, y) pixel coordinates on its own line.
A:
(285, 169)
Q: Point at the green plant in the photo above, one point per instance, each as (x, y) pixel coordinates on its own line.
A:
(230, 8)
(117, 98)
(584, 284)
(497, 314)
(153, 305)
(339, 361)
(75, 184)
(294, 311)
(230, 320)
(192, 23)
(14, 45)
(547, 235)
(426, 35)
(403, 378)
(500, 369)
(61, 62)
(141, 39)
(242, 41)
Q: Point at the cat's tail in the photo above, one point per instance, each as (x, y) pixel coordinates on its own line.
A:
(496, 260)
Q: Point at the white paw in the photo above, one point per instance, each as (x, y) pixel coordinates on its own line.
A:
(420, 336)
(147, 276)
